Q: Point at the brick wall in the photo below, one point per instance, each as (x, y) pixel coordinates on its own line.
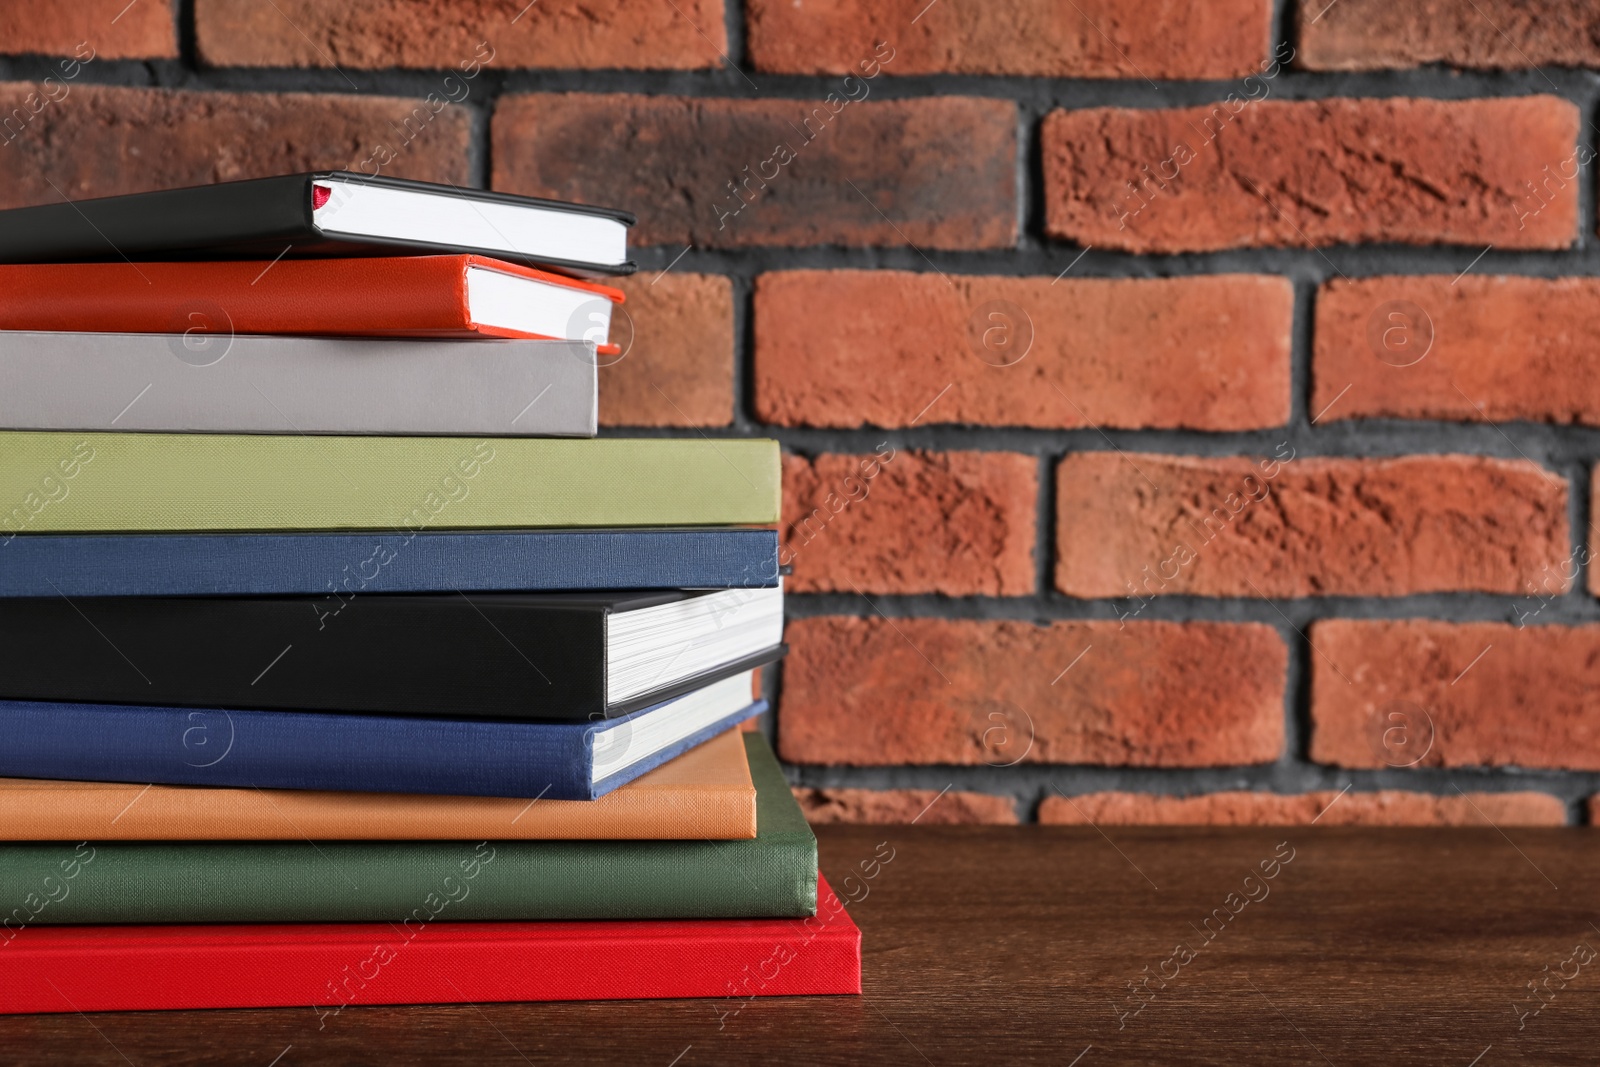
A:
(1189, 406)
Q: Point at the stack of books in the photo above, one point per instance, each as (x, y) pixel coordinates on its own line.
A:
(338, 666)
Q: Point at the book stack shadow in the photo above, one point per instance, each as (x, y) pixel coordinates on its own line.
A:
(341, 663)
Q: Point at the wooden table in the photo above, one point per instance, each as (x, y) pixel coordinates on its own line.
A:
(1060, 946)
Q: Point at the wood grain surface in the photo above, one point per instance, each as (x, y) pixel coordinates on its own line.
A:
(1056, 945)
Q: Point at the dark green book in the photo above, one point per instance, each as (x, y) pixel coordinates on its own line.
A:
(419, 882)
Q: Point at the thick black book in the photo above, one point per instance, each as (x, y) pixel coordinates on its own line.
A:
(325, 213)
(524, 656)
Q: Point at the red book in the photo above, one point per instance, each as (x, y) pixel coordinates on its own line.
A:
(334, 966)
(405, 296)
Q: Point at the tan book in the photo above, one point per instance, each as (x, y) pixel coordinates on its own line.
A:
(706, 793)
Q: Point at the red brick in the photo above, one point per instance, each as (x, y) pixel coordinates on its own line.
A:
(1313, 172)
(901, 806)
(1143, 525)
(935, 172)
(864, 691)
(1582, 554)
(1205, 353)
(1484, 694)
(1472, 349)
(677, 364)
(1474, 34)
(957, 523)
(99, 140)
(85, 29)
(441, 34)
(1093, 39)
(1386, 807)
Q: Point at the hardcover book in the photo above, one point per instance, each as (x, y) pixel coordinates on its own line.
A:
(361, 753)
(201, 383)
(327, 968)
(412, 296)
(704, 793)
(54, 482)
(342, 566)
(549, 656)
(319, 214)
(140, 882)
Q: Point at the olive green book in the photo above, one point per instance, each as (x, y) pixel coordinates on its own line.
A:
(421, 882)
(64, 482)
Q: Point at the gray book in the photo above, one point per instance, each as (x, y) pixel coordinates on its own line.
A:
(213, 383)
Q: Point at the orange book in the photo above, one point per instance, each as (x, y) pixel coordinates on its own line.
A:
(407, 296)
(706, 793)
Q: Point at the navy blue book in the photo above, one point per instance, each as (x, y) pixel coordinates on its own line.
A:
(361, 753)
(339, 566)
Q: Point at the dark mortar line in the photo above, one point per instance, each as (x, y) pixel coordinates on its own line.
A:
(1036, 257)
(744, 383)
(1554, 448)
(1029, 783)
(1296, 698)
(1051, 606)
(733, 23)
(188, 45)
(1045, 93)
(1044, 537)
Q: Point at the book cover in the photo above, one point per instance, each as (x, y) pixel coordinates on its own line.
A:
(704, 793)
(458, 757)
(518, 656)
(326, 968)
(342, 566)
(772, 876)
(59, 482)
(404, 296)
(200, 383)
(319, 214)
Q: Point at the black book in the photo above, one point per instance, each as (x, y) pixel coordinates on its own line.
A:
(327, 213)
(559, 657)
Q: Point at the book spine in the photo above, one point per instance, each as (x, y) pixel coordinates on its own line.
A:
(224, 215)
(219, 383)
(445, 656)
(411, 881)
(325, 969)
(293, 750)
(417, 296)
(52, 482)
(338, 567)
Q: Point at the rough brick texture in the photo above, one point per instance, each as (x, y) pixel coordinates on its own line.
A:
(1470, 349)
(937, 172)
(1475, 34)
(1386, 807)
(886, 202)
(1583, 553)
(1317, 172)
(98, 140)
(1207, 353)
(1381, 691)
(441, 34)
(901, 806)
(1142, 525)
(1097, 39)
(677, 364)
(957, 523)
(869, 691)
(89, 29)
